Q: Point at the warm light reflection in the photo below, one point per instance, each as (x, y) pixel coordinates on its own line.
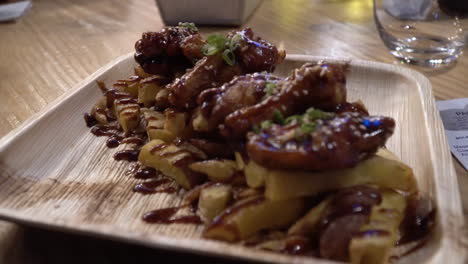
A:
(287, 10)
(358, 9)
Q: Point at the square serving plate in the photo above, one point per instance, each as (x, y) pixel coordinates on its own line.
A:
(54, 173)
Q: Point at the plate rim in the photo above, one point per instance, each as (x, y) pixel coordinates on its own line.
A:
(449, 241)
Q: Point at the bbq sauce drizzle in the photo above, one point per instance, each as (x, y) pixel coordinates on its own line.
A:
(416, 226)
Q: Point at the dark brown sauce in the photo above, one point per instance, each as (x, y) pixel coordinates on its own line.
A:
(146, 173)
(151, 186)
(111, 95)
(101, 131)
(113, 141)
(419, 220)
(128, 107)
(183, 162)
(165, 216)
(176, 152)
(353, 200)
(153, 127)
(151, 118)
(158, 148)
(221, 220)
(90, 120)
(128, 155)
(132, 140)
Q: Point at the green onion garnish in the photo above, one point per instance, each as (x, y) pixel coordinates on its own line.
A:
(278, 117)
(187, 25)
(214, 44)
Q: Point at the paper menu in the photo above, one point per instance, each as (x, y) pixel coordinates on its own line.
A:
(454, 115)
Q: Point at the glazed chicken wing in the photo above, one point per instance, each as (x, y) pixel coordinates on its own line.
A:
(318, 85)
(251, 54)
(242, 91)
(172, 47)
(333, 141)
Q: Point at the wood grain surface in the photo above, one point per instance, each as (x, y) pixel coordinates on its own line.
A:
(70, 181)
(59, 43)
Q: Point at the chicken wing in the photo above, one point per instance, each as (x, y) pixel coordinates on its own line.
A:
(335, 142)
(319, 85)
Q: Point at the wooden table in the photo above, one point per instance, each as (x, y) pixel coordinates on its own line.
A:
(60, 42)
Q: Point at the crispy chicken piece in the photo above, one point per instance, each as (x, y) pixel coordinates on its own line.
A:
(167, 51)
(323, 144)
(256, 54)
(184, 90)
(242, 91)
(192, 47)
(252, 54)
(319, 85)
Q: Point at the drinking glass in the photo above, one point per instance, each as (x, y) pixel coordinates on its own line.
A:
(423, 32)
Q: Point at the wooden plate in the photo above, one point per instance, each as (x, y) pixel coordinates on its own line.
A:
(55, 174)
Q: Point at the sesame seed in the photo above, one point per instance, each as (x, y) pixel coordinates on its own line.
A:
(357, 133)
(352, 127)
(296, 93)
(283, 107)
(305, 92)
(330, 146)
(362, 127)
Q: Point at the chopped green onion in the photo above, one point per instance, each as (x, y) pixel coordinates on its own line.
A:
(214, 44)
(187, 25)
(308, 127)
(234, 43)
(229, 57)
(270, 88)
(256, 129)
(292, 118)
(314, 114)
(266, 124)
(278, 117)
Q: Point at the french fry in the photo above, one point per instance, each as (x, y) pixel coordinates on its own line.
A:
(379, 171)
(239, 160)
(99, 111)
(308, 224)
(175, 122)
(200, 123)
(216, 170)
(129, 85)
(171, 160)
(252, 215)
(378, 237)
(255, 174)
(155, 126)
(128, 114)
(148, 89)
(138, 70)
(213, 200)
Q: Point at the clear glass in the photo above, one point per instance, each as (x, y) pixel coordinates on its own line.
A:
(423, 32)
